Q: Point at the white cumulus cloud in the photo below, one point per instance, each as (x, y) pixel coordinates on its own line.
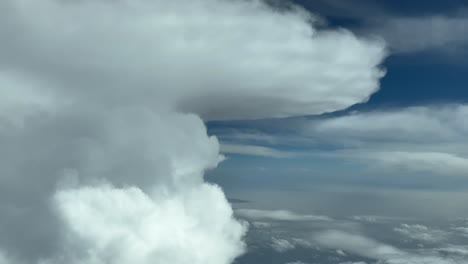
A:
(281, 245)
(126, 225)
(421, 233)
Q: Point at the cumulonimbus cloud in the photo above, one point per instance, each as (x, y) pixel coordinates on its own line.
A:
(102, 107)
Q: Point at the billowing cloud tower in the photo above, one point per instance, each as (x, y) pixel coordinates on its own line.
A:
(103, 145)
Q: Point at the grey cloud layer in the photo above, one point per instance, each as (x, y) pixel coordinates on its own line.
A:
(381, 252)
(383, 240)
(420, 138)
(424, 138)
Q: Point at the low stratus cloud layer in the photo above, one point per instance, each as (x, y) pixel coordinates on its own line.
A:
(356, 240)
(101, 160)
(363, 246)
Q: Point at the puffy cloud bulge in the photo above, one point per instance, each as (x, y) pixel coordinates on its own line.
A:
(103, 145)
(219, 59)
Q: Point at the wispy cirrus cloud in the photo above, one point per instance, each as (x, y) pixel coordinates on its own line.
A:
(279, 215)
(426, 33)
(253, 150)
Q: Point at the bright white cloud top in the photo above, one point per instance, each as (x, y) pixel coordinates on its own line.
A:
(100, 157)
